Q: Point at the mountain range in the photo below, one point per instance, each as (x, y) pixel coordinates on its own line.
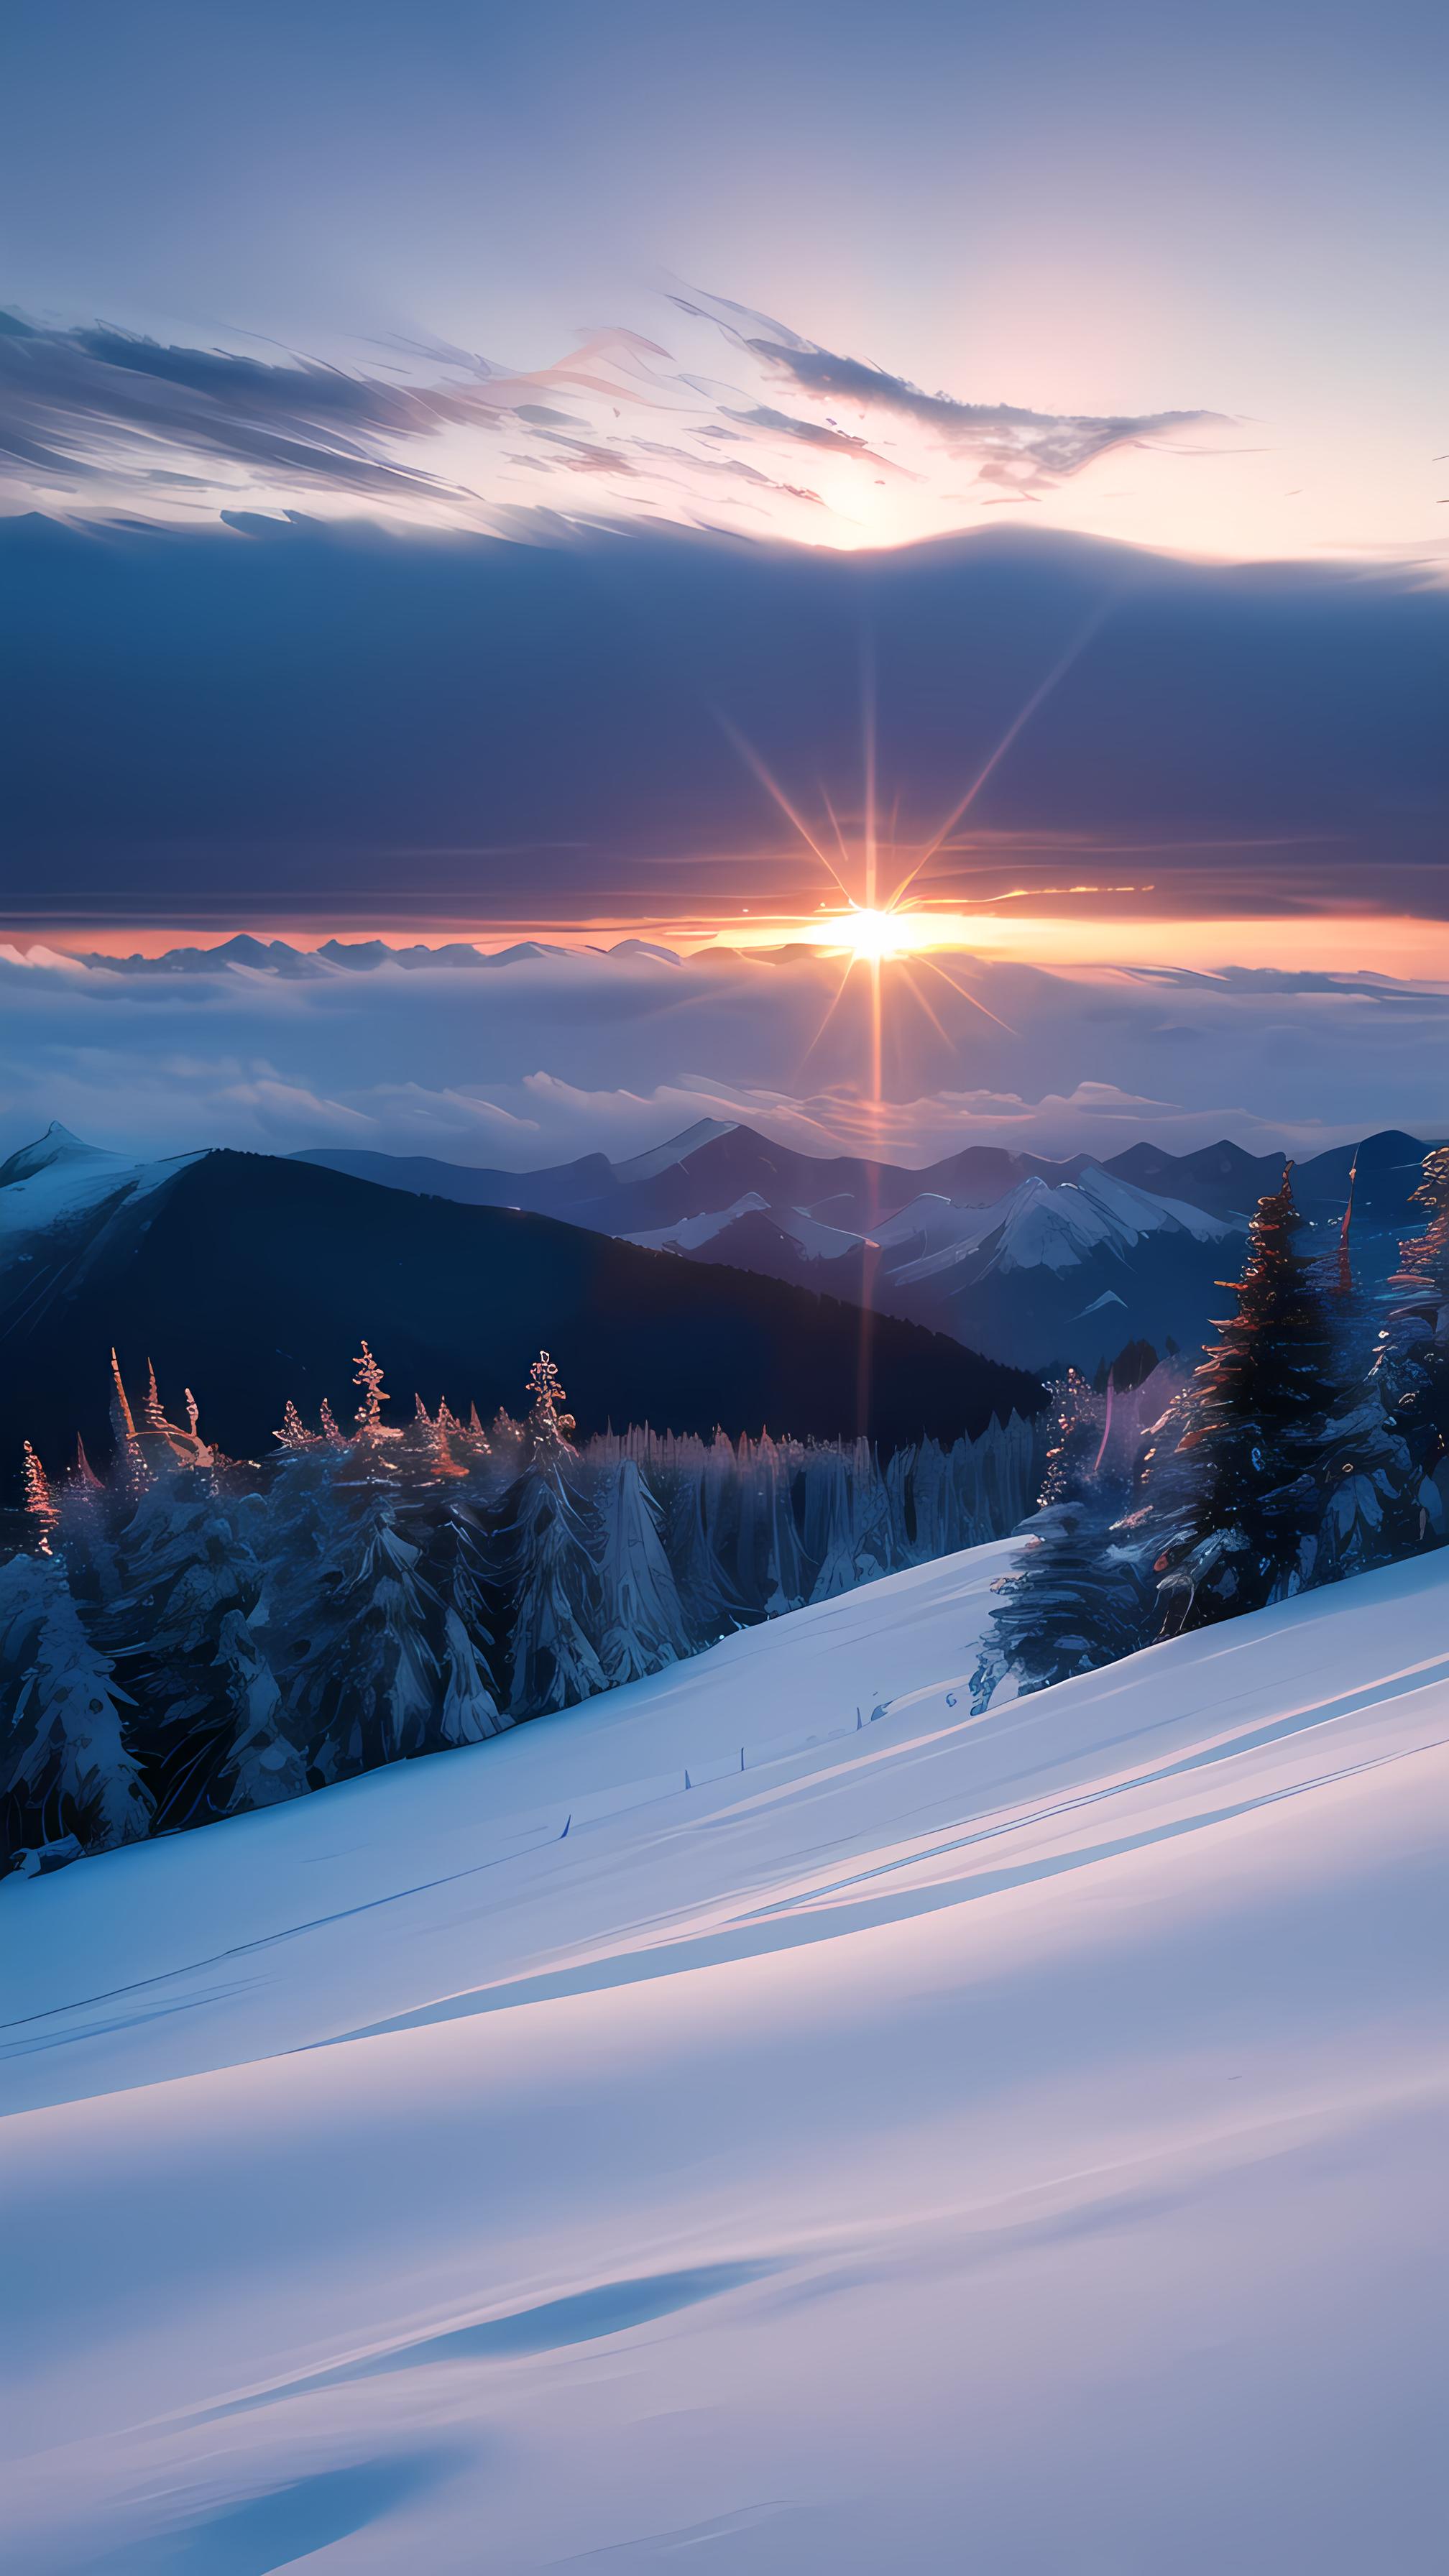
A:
(1030, 1261)
(251, 1279)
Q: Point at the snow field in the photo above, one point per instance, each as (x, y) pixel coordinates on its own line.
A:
(998, 2144)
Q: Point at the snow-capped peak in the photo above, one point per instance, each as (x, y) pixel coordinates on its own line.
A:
(1054, 1225)
(56, 1146)
(675, 1149)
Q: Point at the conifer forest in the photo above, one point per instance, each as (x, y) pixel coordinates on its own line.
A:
(188, 1636)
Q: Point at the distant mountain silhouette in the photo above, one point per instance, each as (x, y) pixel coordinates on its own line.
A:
(1076, 1257)
(251, 1278)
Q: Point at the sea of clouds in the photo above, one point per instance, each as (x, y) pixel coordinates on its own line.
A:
(551, 1054)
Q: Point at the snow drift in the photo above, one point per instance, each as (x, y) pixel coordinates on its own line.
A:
(767, 2120)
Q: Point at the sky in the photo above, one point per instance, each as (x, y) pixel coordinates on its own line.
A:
(689, 472)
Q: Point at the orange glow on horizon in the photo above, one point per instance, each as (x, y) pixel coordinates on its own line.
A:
(1398, 945)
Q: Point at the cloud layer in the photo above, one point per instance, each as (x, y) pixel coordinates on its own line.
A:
(329, 724)
(550, 1055)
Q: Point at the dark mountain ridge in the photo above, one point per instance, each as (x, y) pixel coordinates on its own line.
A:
(251, 1279)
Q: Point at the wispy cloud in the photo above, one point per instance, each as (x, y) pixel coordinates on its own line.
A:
(1029, 450)
(97, 420)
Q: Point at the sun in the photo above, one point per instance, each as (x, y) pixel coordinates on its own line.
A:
(874, 935)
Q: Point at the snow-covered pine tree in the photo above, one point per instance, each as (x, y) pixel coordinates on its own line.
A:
(294, 1433)
(1244, 1520)
(642, 1625)
(929, 1502)
(188, 1558)
(332, 1431)
(129, 1470)
(871, 1513)
(65, 1765)
(712, 1606)
(84, 1512)
(1075, 1601)
(829, 1524)
(458, 1569)
(1411, 1366)
(787, 1578)
(457, 1451)
(366, 1665)
(1380, 1503)
(367, 1375)
(40, 1509)
(261, 1766)
(554, 1646)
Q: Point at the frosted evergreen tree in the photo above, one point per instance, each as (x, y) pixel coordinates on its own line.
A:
(367, 1376)
(751, 1512)
(1076, 1600)
(367, 1666)
(1411, 1368)
(871, 1513)
(929, 1504)
(1245, 1519)
(129, 1470)
(294, 1433)
(83, 1532)
(712, 1605)
(829, 1524)
(261, 1766)
(458, 1569)
(65, 1766)
(787, 1580)
(469, 1712)
(554, 1655)
(1382, 1502)
(188, 1559)
(643, 1625)
(40, 1509)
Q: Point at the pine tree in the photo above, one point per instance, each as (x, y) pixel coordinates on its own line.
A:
(65, 1766)
(39, 1503)
(829, 1524)
(1411, 1367)
(643, 1625)
(554, 1655)
(188, 1559)
(262, 1765)
(1244, 1519)
(712, 1606)
(554, 1647)
(457, 1570)
(294, 1433)
(1075, 1602)
(549, 1424)
(787, 1580)
(1381, 1504)
(130, 1469)
(371, 1684)
(368, 1376)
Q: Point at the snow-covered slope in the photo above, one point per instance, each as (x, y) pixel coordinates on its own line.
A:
(60, 1185)
(661, 2138)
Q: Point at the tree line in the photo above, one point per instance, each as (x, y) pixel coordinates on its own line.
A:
(1304, 1448)
(187, 1636)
